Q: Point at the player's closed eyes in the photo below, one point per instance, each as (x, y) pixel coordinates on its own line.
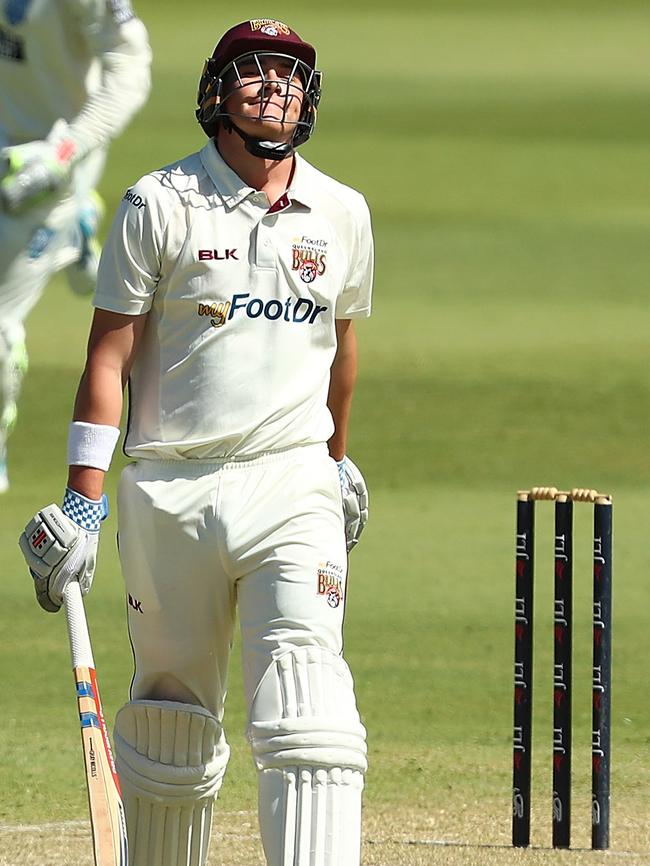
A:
(284, 71)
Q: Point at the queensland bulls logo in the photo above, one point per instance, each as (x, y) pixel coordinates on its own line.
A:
(309, 257)
(330, 583)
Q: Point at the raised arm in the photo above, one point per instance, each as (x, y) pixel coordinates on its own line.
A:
(119, 44)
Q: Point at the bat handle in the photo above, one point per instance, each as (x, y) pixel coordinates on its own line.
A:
(80, 648)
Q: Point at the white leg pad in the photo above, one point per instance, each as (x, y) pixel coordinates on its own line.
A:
(171, 759)
(309, 747)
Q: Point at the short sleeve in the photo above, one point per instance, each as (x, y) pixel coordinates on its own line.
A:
(354, 302)
(129, 269)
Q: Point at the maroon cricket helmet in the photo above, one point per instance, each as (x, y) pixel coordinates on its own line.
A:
(258, 36)
(261, 34)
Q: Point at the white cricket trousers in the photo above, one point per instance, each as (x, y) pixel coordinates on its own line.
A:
(198, 540)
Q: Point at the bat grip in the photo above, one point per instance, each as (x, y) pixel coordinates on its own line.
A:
(80, 648)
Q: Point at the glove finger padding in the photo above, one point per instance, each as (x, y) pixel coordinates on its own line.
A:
(35, 170)
(354, 493)
(57, 551)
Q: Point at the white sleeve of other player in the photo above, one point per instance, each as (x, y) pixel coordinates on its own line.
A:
(120, 42)
(130, 266)
(354, 302)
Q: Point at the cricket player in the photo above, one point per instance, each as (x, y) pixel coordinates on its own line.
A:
(72, 74)
(226, 296)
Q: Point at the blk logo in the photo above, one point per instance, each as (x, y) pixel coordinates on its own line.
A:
(135, 604)
(218, 255)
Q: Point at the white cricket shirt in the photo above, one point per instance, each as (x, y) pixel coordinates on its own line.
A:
(86, 61)
(242, 302)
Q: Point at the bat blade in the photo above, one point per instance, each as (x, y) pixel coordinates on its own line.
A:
(104, 796)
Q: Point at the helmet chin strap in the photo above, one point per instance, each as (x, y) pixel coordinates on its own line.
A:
(277, 150)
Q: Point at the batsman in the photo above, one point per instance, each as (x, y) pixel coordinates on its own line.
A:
(226, 298)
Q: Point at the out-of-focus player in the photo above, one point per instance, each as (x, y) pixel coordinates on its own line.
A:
(72, 74)
(227, 294)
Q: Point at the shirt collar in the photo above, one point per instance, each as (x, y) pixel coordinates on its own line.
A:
(232, 188)
(229, 185)
(301, 189)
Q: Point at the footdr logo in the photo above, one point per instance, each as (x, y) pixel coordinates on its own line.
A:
(298, 310)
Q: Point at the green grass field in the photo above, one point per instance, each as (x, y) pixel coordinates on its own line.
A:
(503, 147)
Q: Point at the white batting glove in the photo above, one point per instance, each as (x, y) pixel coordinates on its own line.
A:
(35, 170)
(354, 493)
(60, 545)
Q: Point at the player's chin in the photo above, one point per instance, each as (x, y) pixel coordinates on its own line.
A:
(269, 128)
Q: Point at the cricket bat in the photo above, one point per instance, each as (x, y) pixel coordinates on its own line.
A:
(104, 796)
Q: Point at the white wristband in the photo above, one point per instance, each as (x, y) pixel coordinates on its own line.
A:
(91, 444)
